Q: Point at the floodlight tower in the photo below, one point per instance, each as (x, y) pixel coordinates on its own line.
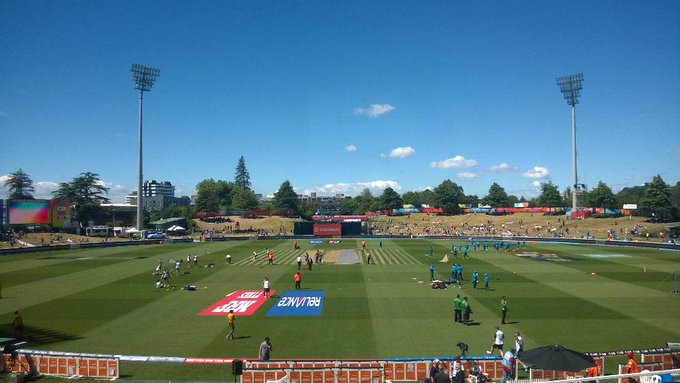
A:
(144, 77)
(571, 89)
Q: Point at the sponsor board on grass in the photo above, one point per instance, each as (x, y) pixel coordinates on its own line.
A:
(316, 241)
(243, 302)
(298, 303)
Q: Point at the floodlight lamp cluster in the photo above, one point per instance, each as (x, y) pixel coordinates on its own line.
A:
(144, 76)
(571, 87)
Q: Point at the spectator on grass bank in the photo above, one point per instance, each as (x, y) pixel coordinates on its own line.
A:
(265, 350)
(18, 324)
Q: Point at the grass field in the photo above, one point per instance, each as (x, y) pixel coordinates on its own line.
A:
(104, 301)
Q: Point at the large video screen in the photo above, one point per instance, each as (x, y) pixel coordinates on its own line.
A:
(28, 212)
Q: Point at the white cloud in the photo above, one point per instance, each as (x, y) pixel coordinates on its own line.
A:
(467, 176)
(374, 110)
(44, 189)
(536, 184)
(117, 192)
(353, 189)
(402, 152)
(4, 193)
(538, 172)
(351, 148)
(455, 162)
(503, 167)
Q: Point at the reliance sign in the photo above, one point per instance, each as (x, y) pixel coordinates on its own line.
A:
(327, 229)
(298, 303)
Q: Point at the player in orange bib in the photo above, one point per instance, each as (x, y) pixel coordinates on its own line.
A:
(297, 278)
(368, 257)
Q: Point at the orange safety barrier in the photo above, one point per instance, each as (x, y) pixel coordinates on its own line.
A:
(99, 367)
(667, 360)
(550, 374)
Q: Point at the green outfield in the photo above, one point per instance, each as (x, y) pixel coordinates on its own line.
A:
(104, 301)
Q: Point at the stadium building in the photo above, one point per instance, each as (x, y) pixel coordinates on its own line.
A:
(157, 196)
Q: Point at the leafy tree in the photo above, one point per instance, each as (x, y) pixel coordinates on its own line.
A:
(631, 194)
(349, 206)
(567, 197)
(213, 195)
(308, 209)
(447, 196)
(390, 199)
(497, 197)
(427, 197)
(242, 178)
(86, 192)
(19, 185)
(366, 202)
(550, 196)
(286, 198)
(657, 201)
(471, 200)
(243, 199)
(602, 196)
(675, 195)
(412, 198)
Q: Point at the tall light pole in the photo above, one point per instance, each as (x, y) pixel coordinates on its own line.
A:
(144, 77)
(571, 89)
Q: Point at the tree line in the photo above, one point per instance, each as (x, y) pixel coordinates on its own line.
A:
(656, 199)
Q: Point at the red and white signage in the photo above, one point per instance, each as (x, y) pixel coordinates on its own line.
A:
(327, 229)
(242, 302)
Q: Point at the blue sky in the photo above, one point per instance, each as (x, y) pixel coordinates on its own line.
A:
(340, 96)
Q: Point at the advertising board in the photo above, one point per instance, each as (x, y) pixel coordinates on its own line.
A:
(28, 212)
(327, 229)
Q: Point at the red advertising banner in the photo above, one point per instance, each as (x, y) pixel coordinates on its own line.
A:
(327, 229)
(242, 302)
